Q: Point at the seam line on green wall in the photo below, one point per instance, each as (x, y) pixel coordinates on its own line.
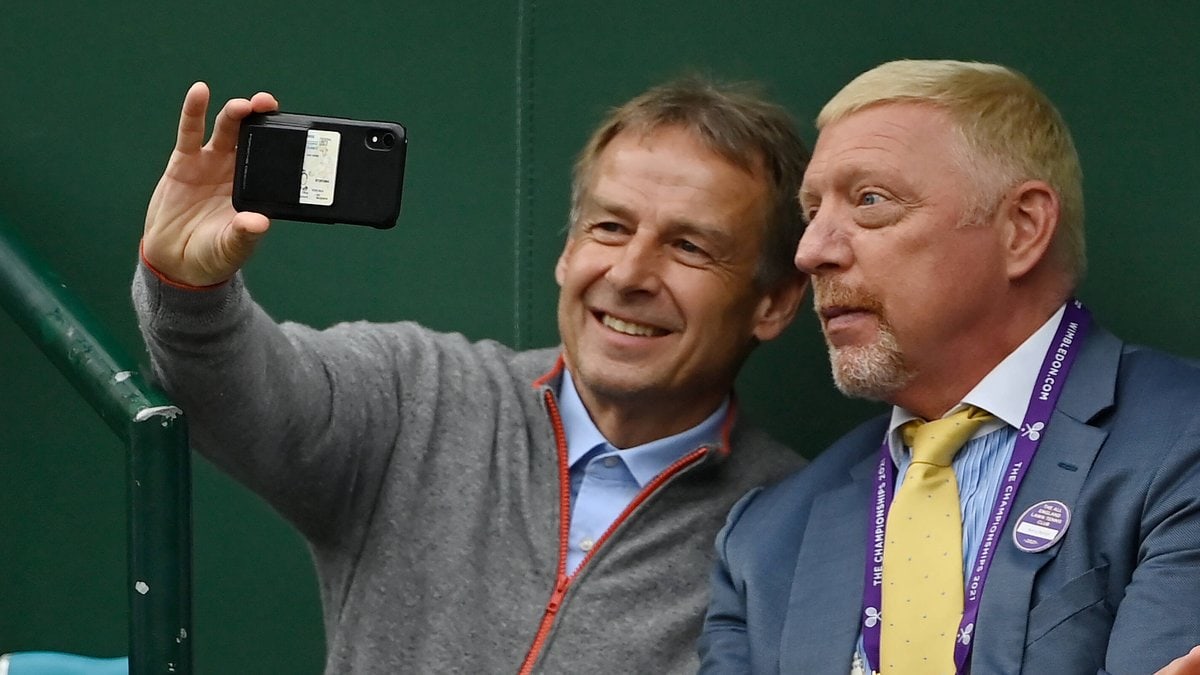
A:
(523, 238)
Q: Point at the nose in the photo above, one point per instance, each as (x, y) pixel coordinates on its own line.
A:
(824, 248)
(636, 264)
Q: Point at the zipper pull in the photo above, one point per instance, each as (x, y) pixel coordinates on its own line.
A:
(556, 597)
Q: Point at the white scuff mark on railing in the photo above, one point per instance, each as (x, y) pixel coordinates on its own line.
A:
(166, 412)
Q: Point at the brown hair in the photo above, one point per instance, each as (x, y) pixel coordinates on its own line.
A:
(735, 122)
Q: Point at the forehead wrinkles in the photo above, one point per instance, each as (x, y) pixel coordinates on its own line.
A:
(673, 177)
(648, 165)
(855, 150)
(862, 151)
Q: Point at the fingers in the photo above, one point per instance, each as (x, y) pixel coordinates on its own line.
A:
(229, 120)
(225, 130)
(263, 102)
(191, 118)
(195, 107)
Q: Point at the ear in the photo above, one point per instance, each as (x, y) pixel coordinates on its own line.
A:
(560, 268)
(777, 307)
(1030, 222)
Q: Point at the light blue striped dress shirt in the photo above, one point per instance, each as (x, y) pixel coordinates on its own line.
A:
(980, 465)
(604, 479)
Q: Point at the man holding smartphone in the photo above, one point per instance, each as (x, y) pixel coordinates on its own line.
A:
(475, 509)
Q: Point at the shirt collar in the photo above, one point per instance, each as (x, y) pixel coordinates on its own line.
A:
(582, 434)
(1004, 392)
(643, 461)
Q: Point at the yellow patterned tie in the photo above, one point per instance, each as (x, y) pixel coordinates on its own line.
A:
(922, 557)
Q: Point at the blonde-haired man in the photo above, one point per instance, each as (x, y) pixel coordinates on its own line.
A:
(945, 242)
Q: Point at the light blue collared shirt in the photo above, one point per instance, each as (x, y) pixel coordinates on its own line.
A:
(980, 466)
(605, 479)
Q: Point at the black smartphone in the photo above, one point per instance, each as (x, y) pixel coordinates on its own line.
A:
(320, 169)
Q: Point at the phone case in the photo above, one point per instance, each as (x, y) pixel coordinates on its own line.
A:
(320, 169)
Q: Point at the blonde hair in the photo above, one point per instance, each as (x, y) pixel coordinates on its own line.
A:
(1011, 132)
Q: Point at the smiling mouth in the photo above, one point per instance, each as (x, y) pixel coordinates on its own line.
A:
(630, 328)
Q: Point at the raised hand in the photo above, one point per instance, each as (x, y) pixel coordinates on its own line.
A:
(193, 235)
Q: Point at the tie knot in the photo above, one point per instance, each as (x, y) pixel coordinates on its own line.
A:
(938, 441)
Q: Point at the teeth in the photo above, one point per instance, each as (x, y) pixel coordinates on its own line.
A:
(631, 328)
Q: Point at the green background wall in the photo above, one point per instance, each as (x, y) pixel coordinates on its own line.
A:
(497, 97)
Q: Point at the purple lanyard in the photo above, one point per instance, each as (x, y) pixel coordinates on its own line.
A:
(1061, 355)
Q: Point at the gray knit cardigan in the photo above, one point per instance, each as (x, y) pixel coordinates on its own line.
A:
(427, 474)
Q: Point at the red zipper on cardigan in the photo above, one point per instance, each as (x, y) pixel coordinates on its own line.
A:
(564, 523)
(563, 582)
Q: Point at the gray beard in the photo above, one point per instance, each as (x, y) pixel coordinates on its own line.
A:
(875, 371)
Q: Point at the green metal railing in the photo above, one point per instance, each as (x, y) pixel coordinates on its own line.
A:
(159, 468)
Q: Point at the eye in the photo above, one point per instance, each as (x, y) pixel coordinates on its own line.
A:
(878, 209)
(608, 231)
(690, 250)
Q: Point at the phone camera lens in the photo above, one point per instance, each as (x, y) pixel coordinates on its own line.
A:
(381, 139)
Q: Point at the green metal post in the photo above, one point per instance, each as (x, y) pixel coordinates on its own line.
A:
(160, 544)
(159, 509)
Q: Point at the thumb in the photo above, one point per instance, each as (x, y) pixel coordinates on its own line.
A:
(241, 237)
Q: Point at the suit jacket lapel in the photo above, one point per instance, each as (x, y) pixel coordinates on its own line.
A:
(1058, 472)
(827, 595)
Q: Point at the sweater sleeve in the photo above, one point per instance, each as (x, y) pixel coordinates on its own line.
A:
(307, 419)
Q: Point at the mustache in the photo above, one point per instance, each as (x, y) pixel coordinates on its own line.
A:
(832, 293)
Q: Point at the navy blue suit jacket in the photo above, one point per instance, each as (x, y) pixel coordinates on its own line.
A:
(1120, 592)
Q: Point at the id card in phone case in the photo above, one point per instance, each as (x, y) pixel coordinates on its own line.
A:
(318, 176)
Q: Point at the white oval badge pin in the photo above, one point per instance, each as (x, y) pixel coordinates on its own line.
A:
(1041, 526)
